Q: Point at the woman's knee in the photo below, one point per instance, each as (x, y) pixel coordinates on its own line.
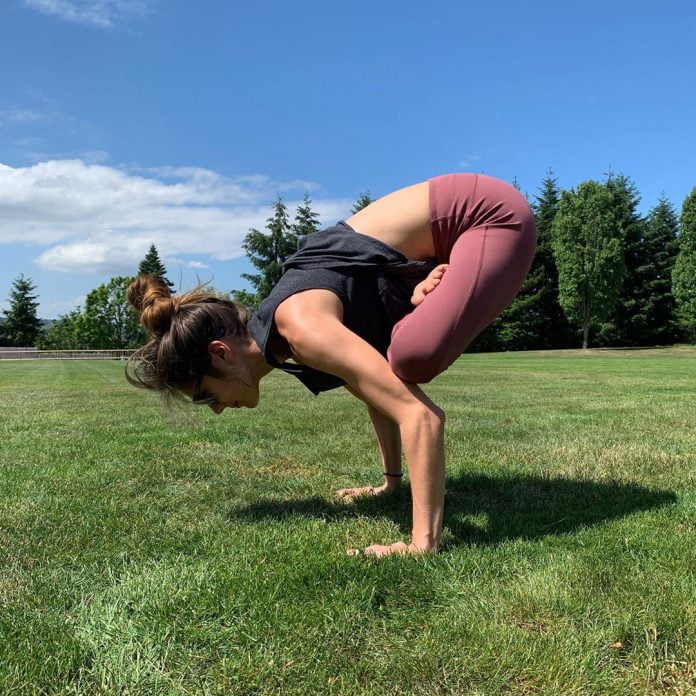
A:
(413, 366)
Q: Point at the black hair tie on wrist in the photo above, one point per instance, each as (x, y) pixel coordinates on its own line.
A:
(394, 475)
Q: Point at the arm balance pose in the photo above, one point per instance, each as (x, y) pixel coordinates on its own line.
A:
(378, 304)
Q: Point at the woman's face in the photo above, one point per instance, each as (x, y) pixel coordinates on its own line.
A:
(228, 392)
(236, 383)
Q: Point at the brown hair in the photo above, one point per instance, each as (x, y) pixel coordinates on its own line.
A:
(180, 329)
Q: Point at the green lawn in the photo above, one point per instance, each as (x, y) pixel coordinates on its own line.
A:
(147, 552)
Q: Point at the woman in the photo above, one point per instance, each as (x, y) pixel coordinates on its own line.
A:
(378, 304)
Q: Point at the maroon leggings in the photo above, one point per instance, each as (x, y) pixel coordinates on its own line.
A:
(484, 229)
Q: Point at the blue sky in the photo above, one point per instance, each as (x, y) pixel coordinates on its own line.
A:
(127, 122)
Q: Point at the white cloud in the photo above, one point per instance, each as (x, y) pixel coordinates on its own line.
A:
(98, 13)
(56, 307)
(22, 116)
(469, 161)
(32, 141)
(95, 156)
(174, 261)
(100, 219)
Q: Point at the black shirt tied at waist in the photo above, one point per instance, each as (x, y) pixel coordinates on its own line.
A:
(373, 281)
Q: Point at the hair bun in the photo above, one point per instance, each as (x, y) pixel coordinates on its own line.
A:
(151, 296)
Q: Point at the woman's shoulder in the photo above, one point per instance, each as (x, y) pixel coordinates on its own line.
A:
(304, 312)
(294, 283)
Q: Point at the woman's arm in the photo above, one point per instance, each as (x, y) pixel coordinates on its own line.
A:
(311, 323)
(389, 441)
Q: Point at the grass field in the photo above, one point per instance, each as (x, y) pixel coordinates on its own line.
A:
(152, 553)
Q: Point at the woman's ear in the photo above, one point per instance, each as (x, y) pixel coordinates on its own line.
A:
(228, 358)
(219, 349)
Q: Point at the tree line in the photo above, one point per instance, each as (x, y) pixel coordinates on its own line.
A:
(105, 321)
(603, 275)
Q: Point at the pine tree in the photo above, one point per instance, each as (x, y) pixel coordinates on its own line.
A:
(306, 220)
(267, 252)
(662, 247)
(364, 199)
(588, 246)
(553, 328)
(21, 326)
(152, 265)
(628, 324)
(684, 274)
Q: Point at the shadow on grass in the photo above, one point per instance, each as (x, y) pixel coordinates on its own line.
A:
(516, 507)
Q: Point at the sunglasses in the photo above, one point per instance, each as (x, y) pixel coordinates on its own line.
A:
(201, 398)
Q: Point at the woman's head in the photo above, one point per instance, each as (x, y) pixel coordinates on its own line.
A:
(196, 347)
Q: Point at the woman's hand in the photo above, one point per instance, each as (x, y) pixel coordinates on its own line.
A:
(348, 495)
(426, 286)
(397, 547)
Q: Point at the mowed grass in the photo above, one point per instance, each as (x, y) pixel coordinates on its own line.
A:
(147, 552)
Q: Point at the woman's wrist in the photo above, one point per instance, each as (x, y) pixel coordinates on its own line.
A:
(392, 479)
(425, 542)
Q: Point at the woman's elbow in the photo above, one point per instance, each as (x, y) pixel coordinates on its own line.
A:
(430, 418)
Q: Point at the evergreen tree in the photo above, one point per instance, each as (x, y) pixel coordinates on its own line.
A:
(516, 184)
(551, 324)
(21, 325)
(628, 324)
(306, 220)
(152, 265)
(588, 246)
(662, 247)
(267, 252)
(684, 274)
(364, 199)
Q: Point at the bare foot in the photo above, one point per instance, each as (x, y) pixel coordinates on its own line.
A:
(348, 495)
(425, 287)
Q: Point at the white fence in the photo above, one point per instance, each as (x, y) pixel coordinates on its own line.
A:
(33, 354)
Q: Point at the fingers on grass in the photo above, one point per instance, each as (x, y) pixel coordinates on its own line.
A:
(379, 550)
(350, 494)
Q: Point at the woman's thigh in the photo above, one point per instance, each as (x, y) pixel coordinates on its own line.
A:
(487, 266)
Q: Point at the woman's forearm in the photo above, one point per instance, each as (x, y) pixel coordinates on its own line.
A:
(423, 442)
(421, 435)
(389, 440)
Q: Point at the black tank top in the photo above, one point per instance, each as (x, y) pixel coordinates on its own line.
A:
(373, 281)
